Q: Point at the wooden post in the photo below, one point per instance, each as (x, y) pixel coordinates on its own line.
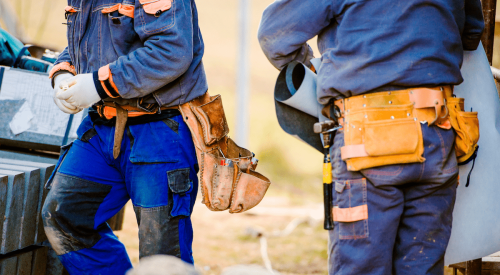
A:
(489, 12)
(473, 267)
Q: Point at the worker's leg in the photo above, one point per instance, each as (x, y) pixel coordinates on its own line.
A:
(364, 246)
(426, 222)
(162, 182)
(87, 190)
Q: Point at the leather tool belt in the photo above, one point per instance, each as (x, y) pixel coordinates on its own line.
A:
(227, 171)
(383, 128)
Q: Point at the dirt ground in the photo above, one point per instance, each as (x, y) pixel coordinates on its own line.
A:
(222, 239)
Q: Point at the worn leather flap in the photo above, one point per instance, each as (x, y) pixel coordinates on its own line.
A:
(223, 181)
(466, 126)
(212, 119)
(249, 191)
(391, 137)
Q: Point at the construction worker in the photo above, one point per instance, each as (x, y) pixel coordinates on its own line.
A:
(387, 70)
(132, 62)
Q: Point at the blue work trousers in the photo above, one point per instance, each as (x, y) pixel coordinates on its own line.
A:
(156, 168)
(409, 211)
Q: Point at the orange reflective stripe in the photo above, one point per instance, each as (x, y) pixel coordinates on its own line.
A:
(127, 10)
(154, 6)
(70, 9)
(105, 74)
(63, 66)
(352, 214)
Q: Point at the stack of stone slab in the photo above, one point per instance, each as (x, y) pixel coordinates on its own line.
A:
(22, 194)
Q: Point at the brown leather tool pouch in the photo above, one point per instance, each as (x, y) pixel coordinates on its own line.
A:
(227, 176)
(381, 136)
(466, 126)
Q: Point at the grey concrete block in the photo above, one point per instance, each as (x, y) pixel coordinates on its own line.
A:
(39, 263)
(13, 219)
(24, 263)
(31, 197)
(4, 187)
(46, 170)
(8, 266)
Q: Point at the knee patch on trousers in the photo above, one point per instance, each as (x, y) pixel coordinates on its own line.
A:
(69, 212)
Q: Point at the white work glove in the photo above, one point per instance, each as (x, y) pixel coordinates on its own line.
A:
(79, 91)
(63, 105)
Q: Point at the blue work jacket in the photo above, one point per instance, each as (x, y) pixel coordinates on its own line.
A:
(154, 48)
(369, 45)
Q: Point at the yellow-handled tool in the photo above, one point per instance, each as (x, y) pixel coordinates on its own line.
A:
(327, 129)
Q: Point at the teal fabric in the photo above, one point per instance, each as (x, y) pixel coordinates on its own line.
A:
(6, 56)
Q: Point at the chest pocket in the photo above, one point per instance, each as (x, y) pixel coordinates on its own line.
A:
(120, 19)
(156, 15)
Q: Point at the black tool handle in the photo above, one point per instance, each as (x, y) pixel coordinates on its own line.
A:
(327, 193)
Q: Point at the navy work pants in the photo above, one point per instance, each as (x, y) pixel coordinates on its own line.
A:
(409, 211)
(156, 169)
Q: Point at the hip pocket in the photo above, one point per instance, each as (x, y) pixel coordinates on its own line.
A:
(181, 187)
(350, 210)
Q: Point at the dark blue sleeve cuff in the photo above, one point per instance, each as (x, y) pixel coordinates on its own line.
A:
(100, 90)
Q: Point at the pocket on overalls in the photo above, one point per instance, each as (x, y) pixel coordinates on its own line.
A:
(181, 186)
(382, 136)
(350, 210)
(62, 156)
(466, 125)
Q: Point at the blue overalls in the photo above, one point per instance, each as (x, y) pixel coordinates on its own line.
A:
(155, 61)
(374, 46)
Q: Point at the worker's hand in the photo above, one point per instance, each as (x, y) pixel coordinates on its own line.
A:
(78, 91)
(63, 105)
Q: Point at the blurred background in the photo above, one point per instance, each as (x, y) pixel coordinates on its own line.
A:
(295, 195)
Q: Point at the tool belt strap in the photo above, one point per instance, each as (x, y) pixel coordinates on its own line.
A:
(109, 110)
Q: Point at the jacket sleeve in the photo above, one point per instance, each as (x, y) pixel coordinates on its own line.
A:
(287, 25)
(63, 57)
(165, 28)
(474, 25)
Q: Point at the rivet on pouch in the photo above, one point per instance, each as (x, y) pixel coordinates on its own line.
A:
(353, 126)
(366, 116)
(390, 102)
(415, 119)
(389, 93)
(364, 105)
(364, 96)
(408, 114)
(360, 129)
(392, 117)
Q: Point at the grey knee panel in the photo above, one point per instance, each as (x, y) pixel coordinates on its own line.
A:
(158, 231)
(69, 212)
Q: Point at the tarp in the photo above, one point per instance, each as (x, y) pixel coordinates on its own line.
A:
(476, 218)
(10, 48)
